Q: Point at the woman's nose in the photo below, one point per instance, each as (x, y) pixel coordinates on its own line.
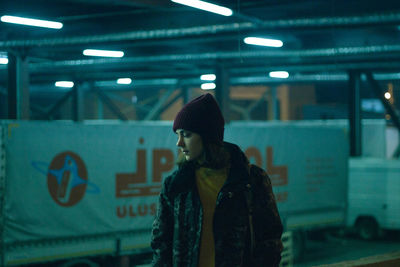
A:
(180, 142)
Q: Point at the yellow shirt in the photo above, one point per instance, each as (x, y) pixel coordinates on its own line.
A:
(209, 183)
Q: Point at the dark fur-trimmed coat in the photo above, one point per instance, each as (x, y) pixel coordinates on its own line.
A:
(177, 227)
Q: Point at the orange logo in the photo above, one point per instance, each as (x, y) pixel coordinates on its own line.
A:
(135, 184)
(67, 179)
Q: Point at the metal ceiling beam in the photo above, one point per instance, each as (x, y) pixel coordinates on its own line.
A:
(110, 104)
(306, 53)
(371, 19)
(134, 3)
(241, 71)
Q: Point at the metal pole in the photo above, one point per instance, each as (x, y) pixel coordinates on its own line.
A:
(355, 114)
(77, 102)
(222, 90)
(18, 87)
(273, 104)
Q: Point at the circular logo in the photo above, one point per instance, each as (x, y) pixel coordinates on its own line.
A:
(67, 179)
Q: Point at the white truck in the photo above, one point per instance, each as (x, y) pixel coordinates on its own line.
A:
(374, 196)
(88, 191)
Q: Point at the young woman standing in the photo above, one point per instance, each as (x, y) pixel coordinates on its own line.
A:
(216, 209)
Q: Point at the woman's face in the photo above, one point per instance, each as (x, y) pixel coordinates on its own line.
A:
(190, 144)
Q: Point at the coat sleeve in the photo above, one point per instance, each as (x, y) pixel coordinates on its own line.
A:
(266, 221)
(162, 232)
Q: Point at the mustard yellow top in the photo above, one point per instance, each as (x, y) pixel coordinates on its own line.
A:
(209, 183)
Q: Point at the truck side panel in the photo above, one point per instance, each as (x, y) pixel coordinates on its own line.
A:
(76, 190)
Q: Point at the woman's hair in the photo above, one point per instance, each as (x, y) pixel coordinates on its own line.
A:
(216, 156)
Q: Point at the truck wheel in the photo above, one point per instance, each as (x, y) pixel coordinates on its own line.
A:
(367, 228)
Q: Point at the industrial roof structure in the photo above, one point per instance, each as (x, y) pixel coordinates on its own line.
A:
(169, 44)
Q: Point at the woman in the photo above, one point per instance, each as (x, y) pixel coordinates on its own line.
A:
(216, 209)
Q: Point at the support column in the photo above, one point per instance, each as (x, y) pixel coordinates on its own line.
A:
(222, 90)
(273, 104)
(77, 102)
(355, 114)
(18, 88)
(186, 93)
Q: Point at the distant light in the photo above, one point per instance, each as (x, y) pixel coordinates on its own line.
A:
(263, 41)
(279, 74)
(66, 84)
(32, 22)
(102, 53)
(206, 6)
(208, 86)
(3, 60)
(124, 81)
(208, 77)
(388, 95)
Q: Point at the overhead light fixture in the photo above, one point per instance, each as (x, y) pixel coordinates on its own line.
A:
(3, 60)
(32, 22)
(279, 74)
(208, 77)
(102, 53)
(263, 41)
(124, 81)
(65, 84)
(208, 86)
(206, 6)
(388, 95)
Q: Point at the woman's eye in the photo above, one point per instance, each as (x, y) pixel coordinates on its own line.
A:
(186, 134)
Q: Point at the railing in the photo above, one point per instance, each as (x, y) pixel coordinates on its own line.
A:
(287, 253)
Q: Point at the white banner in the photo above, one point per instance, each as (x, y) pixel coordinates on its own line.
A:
(67, 179)
(73, 179)
(307, 164)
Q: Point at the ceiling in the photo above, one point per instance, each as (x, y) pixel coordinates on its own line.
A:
(164, 41)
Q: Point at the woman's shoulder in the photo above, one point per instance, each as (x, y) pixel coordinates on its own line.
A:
(258, 174)
(179, 181)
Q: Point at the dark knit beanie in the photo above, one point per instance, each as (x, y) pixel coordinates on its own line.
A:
(202, 116)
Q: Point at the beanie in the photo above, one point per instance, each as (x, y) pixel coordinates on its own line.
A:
(202, 116)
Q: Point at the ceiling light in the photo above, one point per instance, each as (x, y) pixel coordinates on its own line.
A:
(263, 41)
(388, 95)
(3, 60)
(279, 74)
(208, 77)
(124, 81)
(102, 53)
(206, 6)
(208, 86)
(32, 22)
(66, 84)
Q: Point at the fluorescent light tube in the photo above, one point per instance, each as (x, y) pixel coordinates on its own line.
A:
(3, 60)
(279, 74)
(263, 41)
(124, 81)
(66, 84)
(208, 86)
(208, 77)
(206, 6)
(32, 22)
(102, 53)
